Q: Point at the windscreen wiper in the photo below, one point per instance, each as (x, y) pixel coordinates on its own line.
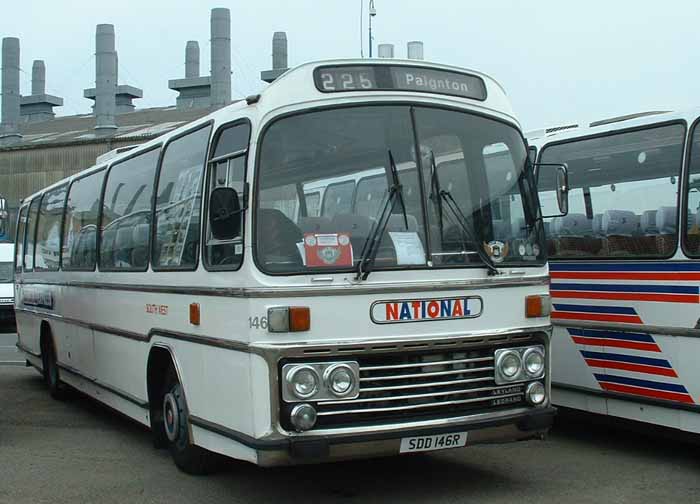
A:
(461, 219)
(371, 246)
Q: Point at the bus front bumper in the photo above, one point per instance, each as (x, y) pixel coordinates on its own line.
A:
(531, 424)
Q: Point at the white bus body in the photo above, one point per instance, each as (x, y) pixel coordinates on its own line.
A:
(283, 354)
(625, 269)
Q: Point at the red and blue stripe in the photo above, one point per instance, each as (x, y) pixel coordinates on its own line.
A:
(645, 388)
(634, 363)
(680, 271)
(618, 314)
(614, 339)
(627, 292)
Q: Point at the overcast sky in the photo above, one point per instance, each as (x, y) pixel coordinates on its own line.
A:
(558, 61)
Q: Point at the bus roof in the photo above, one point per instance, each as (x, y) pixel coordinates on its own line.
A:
(542, 137)
(298, 87)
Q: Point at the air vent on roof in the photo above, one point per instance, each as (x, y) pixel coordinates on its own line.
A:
(103, 158)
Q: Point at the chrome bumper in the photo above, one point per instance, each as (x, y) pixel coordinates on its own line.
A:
(524, 424)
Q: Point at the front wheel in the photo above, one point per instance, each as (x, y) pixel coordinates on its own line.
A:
(52, 375)
(188, 458)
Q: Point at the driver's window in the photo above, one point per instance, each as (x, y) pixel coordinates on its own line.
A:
(227, 169)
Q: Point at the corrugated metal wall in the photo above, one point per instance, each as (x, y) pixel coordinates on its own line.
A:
(24, 171)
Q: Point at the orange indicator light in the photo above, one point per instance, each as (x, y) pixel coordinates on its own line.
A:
(194, 314)
(299, 318)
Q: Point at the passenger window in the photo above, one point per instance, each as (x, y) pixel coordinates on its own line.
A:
(48, 234)
(30, 234)
(338, 199)
(623, 199)
(692, 218)
(313, 204)
(126, 213)
(370, 195)
(80, 228)
(19, 242)
(178, 201)
(227, 169)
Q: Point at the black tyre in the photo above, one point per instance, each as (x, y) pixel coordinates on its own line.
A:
(188, 458)
(52, 374)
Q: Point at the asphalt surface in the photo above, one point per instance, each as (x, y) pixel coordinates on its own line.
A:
(78, 451)
(8, 351)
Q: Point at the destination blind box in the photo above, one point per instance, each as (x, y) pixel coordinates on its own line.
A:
(344, 78)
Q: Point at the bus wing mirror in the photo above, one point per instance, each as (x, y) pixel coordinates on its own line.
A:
(224, 213)
(560, 175)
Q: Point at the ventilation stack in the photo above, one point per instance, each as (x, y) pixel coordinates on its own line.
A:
(39, 105)
(110, 98)
(386, 50)
(279, 58)
(195, 91)
(220, 57)
(415, 50)
(9, 126)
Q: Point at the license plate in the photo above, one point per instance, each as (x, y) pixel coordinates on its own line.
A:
(436, 442)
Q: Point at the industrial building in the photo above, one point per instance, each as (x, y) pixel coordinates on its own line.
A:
(37, 148)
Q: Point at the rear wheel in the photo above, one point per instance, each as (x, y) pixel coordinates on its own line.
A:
(188, 458)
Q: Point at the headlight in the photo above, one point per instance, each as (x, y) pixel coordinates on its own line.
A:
(320, 381)
(303, 417)
(340, 379)
(303, 381)
(509, 364)
(533, 360)
(513, 365)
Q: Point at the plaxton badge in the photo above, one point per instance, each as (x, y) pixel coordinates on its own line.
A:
(425, 310)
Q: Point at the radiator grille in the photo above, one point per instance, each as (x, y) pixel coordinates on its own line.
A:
(395, 388)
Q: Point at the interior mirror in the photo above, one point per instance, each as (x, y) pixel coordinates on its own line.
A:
(224, 213)
(557, 175)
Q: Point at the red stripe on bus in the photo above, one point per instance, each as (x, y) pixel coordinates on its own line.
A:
(656, 394)
(614, 343)
(598, 317)
(637, 368)
(628, 296)
(599, 275)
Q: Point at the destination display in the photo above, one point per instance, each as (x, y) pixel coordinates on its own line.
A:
(336, 79)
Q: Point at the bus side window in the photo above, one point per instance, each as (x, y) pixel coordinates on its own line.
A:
(227, 169)
(691, 229)
(19, 242)
(338, 199)
(30, 234)
(126, 213)
(178, 201)
(48, 234)
(80, 227)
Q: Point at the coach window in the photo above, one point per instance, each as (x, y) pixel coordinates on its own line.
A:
(624, 194)
(19, 241)
(48, 232)
(80, 227)
(338, 199)
(30, 234)
(227, 169)
(178, 201)
(126, 213)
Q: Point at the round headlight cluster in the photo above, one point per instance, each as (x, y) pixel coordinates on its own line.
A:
(534, 362)
(510, 364)
(303, 417)
(303, 381)
(340, 380)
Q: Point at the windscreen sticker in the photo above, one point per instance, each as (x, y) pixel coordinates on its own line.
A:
(409, 248)
(423, 310)
(328, 249)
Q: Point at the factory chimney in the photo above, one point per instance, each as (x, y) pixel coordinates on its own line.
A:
(192, 59)
(9, 126)
(105, 80)
(415, 50)
(195, 91)
(220, 57)
(38, 106)
(279, 58)
(386, 50)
